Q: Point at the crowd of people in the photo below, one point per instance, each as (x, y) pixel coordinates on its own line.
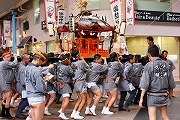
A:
(38, 85)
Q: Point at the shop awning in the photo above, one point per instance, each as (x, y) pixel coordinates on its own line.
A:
(25, 40)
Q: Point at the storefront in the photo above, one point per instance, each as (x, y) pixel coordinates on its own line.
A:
(51, 46)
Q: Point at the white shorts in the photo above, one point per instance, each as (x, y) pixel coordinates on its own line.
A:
(24, 94)
(36, 100)
(65, 95)
(51, 92)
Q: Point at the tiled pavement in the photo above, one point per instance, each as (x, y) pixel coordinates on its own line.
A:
(118, 115)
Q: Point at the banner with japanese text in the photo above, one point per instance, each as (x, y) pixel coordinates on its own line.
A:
(50, 11)
(130, 12)
(116, 10)
(61, 18)
(7, 33)
(1, 40)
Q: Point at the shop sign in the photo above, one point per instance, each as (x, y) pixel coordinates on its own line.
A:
(142, 15)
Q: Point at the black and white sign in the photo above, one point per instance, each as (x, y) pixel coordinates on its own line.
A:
(71, 23)
(116, 10)
(130, 12)
(157, 16)
(61, 18)
(43, 25)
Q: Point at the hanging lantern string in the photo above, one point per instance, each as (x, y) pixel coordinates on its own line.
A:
(153, 21)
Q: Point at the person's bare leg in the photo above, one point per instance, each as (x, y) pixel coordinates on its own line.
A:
(31, 114)
(7, 104)
(83, 101)
(98, 94)
(78, 101)
(39, 111)
(0, 102)
(47, 98)
(65, 104)
(88, 102)
(15, 96)
(108, 99)
(174, 95)
(152, 113)
(74, 114)
(8, 99)
(89, 99)
(164, 113)
(113, 98)
(51, 100)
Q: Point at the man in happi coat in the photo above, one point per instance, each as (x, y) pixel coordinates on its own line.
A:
(157, 80)
(8, 67)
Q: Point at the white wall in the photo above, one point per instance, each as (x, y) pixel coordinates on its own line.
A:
(70, 6)
(153, 29)
(140, 29)
(35, 30)
(176, 6)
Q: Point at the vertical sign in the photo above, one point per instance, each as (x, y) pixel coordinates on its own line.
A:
(7, 31)
(116, 10)
(130, 12)
(50, 11)
(43, 25)
(71, 23)
(1, 41)
(61, 18)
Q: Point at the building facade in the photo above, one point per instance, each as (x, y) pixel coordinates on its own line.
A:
(165, 33)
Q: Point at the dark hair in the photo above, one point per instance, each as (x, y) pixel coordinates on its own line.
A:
(150, 38)
(35, 57)
(153, 51)
(75, 53)
(113, 56)
(24, 56)
(41, 56)
(130, 57)
(164, 51)
(64, 56)
(97, 56)
(102, 62)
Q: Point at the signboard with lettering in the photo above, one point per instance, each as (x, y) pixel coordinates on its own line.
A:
(71, 23)
(61, 18)
(116, 10)
(157, 16)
